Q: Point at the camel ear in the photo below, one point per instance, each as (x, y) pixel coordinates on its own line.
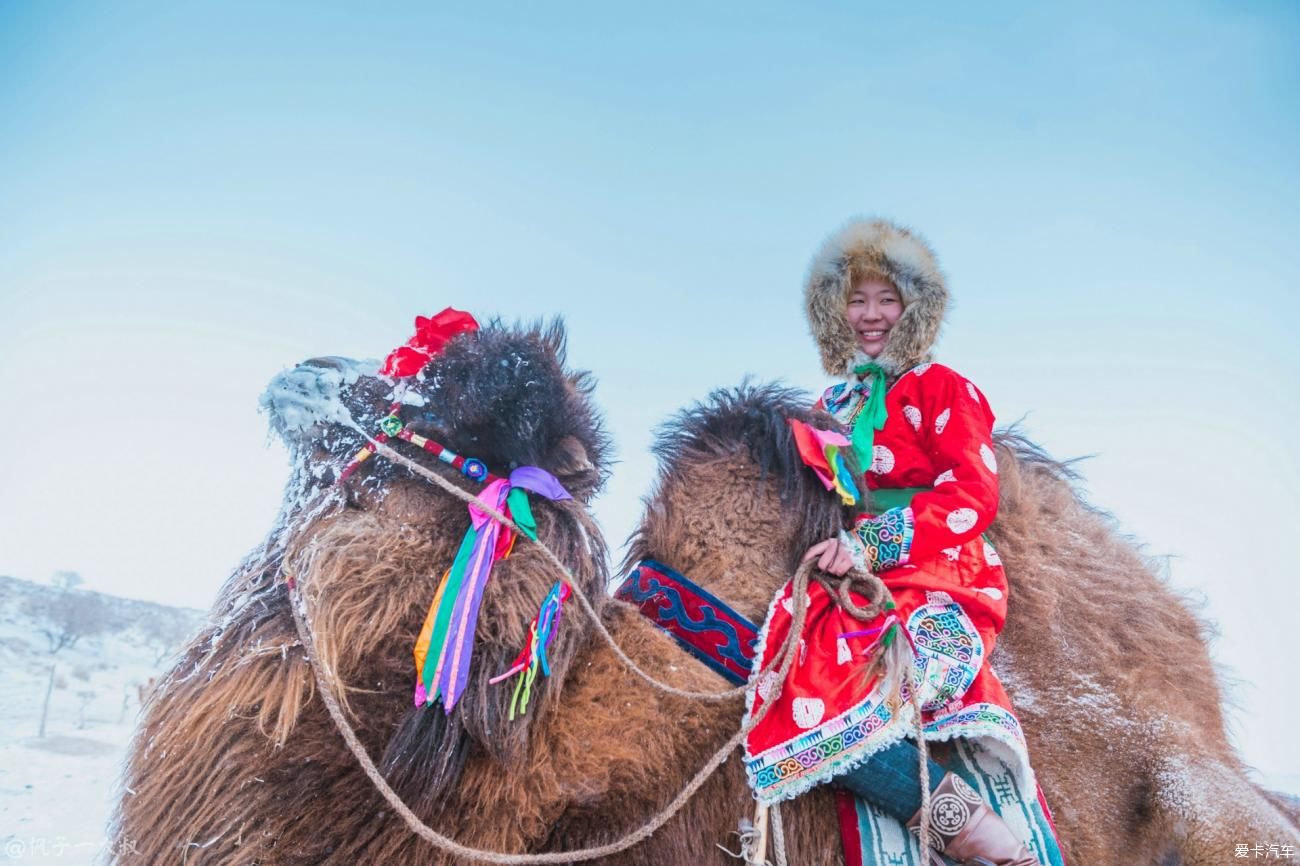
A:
(570, 463)
(571, 458)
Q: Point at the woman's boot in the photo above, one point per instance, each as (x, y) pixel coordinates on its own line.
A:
(966, 829)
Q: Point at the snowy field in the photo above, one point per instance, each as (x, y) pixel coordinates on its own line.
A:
(57, 791)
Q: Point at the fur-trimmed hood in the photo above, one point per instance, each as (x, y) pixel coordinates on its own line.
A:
(881, 247)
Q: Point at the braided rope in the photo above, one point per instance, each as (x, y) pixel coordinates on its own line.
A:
(924, 749)
(788, 652)
(778, 836)
(872, 588)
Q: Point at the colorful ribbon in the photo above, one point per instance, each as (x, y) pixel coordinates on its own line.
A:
(532, 657)
(820, 451)
(890, 626)
(445, 647)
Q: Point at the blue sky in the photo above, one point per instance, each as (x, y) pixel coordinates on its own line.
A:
(193, 197)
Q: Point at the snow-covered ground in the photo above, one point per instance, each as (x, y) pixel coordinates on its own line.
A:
(57, 791)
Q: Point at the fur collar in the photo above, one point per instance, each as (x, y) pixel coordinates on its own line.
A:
(905, 258)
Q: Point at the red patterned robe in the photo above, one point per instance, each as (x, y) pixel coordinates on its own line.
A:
(948, 584)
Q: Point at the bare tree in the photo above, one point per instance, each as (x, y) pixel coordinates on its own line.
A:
(67, 579)
(165, 631)
(66, 616)
(85, 696)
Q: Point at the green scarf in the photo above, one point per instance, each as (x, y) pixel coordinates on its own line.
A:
(873, 414)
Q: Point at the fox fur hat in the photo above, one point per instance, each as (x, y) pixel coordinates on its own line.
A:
(879, 249)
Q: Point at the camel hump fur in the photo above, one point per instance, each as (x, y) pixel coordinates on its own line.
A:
(236, 761)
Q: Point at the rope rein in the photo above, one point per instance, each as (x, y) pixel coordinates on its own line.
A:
(789, 651)
(868, 585)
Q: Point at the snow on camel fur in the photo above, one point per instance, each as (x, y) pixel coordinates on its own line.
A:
(1110, 672)
(235, 760)
(879, 249)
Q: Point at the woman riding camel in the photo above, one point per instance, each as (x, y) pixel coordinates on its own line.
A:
(922, 432)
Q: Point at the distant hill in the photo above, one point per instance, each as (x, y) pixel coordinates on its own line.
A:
(107, 645)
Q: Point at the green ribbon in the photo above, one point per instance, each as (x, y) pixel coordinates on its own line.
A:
(442, 621)
(888, 640)
(522, 511)
(873, 414)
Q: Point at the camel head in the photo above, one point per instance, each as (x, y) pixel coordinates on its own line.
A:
(501, 395)
(368, 553)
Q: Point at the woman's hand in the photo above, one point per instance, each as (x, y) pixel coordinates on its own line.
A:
(833, 557)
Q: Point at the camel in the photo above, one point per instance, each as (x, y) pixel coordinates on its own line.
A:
(236, 762)
(1124, 720)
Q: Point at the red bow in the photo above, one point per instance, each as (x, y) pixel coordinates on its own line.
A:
(431, 336)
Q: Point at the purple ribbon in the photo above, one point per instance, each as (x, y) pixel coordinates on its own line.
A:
(453, 674)
(539, 481)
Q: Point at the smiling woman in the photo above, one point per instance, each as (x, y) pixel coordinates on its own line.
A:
(924, 435)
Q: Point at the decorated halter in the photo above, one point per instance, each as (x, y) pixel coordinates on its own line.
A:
(445, 646)
(391, 425)
(432, 335)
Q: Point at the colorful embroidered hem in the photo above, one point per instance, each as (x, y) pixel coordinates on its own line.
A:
(824, 726)
(796, 767)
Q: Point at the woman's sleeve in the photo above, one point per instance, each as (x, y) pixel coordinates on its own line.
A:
(958, 436)
(957, 433)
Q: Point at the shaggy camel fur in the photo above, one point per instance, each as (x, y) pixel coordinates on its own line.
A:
(237, 763)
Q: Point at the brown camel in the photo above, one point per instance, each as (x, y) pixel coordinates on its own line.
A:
(1120, 701)
(236, 762)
